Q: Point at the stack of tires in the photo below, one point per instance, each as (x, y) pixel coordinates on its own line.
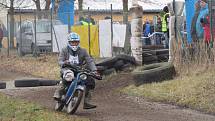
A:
(153, 73)
(115, 64)
(155, 56)
(149, 57)
(162, 55)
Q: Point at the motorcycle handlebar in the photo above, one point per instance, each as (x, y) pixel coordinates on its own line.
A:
(86, 71)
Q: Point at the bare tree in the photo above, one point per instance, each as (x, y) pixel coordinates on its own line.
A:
(125, 21)
(48, 2)
(80, 8)
(125, 11)
(38, 7)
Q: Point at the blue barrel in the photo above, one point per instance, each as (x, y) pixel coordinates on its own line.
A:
(65, 11)
(190, 10)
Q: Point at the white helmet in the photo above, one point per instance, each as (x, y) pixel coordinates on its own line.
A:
(71, 38)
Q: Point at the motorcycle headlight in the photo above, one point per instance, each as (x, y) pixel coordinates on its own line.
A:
(83, 77)
(69, 76)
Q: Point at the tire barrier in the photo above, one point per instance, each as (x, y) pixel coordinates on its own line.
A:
(109, 71)
(153, 73)
(2, 85)
(48, 82)
(163, 57)
(162, 51)
(35, 83)
(155, 56)
(27, 83)
(115, 64)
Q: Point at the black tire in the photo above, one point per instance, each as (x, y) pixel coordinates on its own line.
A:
(71, 108)
(162, 51)
(163, 57)
(27, 83)
(48, 82)
(148, 53)
(109, 71)
(150, 62)
(59, 106)
(153, 73)
(118, 65)
(150, 58)
(107, 62)
(127, 58)
(101, 69)
(128, 67)
(2, 85)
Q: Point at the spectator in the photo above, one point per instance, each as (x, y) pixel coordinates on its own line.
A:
(92, 20)
(205, 24)
(146, 32)
(165, 27)
(158, 25)
(158, 28)
(151, 27)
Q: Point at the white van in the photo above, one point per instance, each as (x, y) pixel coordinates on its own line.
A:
(26, 43)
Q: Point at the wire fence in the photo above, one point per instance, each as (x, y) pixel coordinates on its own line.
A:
(199, 54)
(34, 31)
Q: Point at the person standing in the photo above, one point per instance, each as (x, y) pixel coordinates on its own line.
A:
(165, 28)
(158, 28)
(146, 32)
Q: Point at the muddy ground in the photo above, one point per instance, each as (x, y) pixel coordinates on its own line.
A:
(112, 105)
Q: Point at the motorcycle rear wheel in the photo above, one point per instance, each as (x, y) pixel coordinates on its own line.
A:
(75, 102)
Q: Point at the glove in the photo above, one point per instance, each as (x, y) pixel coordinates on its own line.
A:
(95, 72)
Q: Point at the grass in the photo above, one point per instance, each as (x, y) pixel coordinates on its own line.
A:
(44, 66)
(19, 110)
(193, 91)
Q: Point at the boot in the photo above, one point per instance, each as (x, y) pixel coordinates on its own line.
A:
(59, 92)
(87, 99)
(57, 95)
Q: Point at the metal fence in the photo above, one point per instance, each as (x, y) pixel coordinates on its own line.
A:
(31, 27)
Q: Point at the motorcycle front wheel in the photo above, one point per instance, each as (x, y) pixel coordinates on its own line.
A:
(59, 106)
(75, 102)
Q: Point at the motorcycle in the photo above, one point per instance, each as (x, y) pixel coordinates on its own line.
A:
(77, 78)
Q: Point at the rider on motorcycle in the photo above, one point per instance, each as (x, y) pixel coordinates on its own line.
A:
(75, 55)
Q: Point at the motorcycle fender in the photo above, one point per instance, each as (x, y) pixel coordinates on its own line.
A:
(80, 87)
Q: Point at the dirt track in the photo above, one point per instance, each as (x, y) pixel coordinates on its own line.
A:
(112, 106)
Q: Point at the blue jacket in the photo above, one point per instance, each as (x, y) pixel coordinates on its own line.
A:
(147, 30)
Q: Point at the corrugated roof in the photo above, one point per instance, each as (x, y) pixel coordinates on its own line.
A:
(148, 5)
(99, 5)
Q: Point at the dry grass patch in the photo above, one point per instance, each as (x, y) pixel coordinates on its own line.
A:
(44, 66)
(19, 110)
(193, 91)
